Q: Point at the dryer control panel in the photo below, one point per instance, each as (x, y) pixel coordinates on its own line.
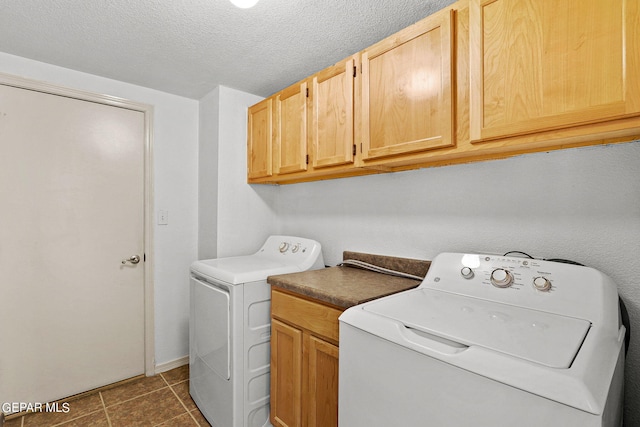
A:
(294, 250)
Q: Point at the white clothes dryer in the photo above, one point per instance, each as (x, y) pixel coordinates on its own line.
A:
(230, 329)
(486, 341)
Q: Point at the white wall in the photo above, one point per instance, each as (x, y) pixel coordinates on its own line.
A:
(579, 203)
(208, 175)
(175, 154)
(235, 218)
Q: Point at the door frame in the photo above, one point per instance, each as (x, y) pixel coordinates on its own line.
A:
(147, 110)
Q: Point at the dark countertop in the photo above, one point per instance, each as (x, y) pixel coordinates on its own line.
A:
(344, 286)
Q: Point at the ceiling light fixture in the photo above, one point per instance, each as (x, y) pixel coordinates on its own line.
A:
(244, 4)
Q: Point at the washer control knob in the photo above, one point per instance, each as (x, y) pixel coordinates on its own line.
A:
(542, 284)
(466, 272)
(283, 247)
(295, 248)
(501, 278)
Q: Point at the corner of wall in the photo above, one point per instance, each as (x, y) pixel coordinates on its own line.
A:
(246, 216)
(208, 129)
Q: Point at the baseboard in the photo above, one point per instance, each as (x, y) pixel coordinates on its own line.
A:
(172, 364)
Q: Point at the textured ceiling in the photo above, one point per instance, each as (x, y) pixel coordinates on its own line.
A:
(188, 47)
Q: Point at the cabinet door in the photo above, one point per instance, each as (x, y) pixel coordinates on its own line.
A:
(407, 90)
(332, 115)
(291, 130)
(322, 397)
(540, 65)
(259, 140)
(286, 375)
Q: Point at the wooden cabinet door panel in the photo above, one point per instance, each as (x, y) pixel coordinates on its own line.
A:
(286, 375)
(291, 130)
(407, 90)
(540, 65)
(332, 115)
(323, 383)
(259, 136)
(313, 316)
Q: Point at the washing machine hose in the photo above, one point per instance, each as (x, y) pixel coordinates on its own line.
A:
(625, 321)
(624, 315)
(623, 308)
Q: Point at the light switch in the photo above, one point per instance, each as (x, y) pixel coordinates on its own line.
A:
(163, 217)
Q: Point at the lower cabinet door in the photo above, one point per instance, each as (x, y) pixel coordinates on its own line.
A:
(323, 383)
(286, 375)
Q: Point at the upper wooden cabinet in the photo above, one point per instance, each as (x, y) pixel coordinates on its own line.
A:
(332, 115)
(290, 152)
(260, 140)
(540, 65)
(478, 80)
(407, 90)
(313, 127)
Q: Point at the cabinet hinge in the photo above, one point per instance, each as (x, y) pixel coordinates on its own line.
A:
(307, 92)
(307, 159)
(355, 70)
(354, 149)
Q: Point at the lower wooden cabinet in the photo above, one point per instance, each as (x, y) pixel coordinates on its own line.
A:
(323, 383)
(304, 362)
(286, 374)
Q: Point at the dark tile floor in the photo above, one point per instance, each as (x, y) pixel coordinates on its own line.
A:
(161, 400)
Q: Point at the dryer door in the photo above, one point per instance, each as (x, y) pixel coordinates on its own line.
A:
(211, 334)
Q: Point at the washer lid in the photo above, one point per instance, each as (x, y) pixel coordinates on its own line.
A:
(548, 339)
(242, 269)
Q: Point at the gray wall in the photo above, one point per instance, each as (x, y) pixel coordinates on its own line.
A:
(581, 204)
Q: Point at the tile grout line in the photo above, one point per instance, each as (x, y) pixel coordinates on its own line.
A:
(167, 385)
(75, 419)
(192, 417)
(137, 396)
(104, 407)
(164, 379)
(178, 397)
(181, 402)
(62, 423)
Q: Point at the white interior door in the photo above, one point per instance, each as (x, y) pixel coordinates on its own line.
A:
(71, 209)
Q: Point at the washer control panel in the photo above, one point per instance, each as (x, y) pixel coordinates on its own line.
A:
(542, 284)
(538, 284)
(501, 278)
(503, 272)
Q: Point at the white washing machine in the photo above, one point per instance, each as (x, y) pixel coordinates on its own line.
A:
(230, 329)
(486, 340)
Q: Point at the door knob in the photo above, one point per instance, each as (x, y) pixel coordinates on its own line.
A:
(133, 259)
